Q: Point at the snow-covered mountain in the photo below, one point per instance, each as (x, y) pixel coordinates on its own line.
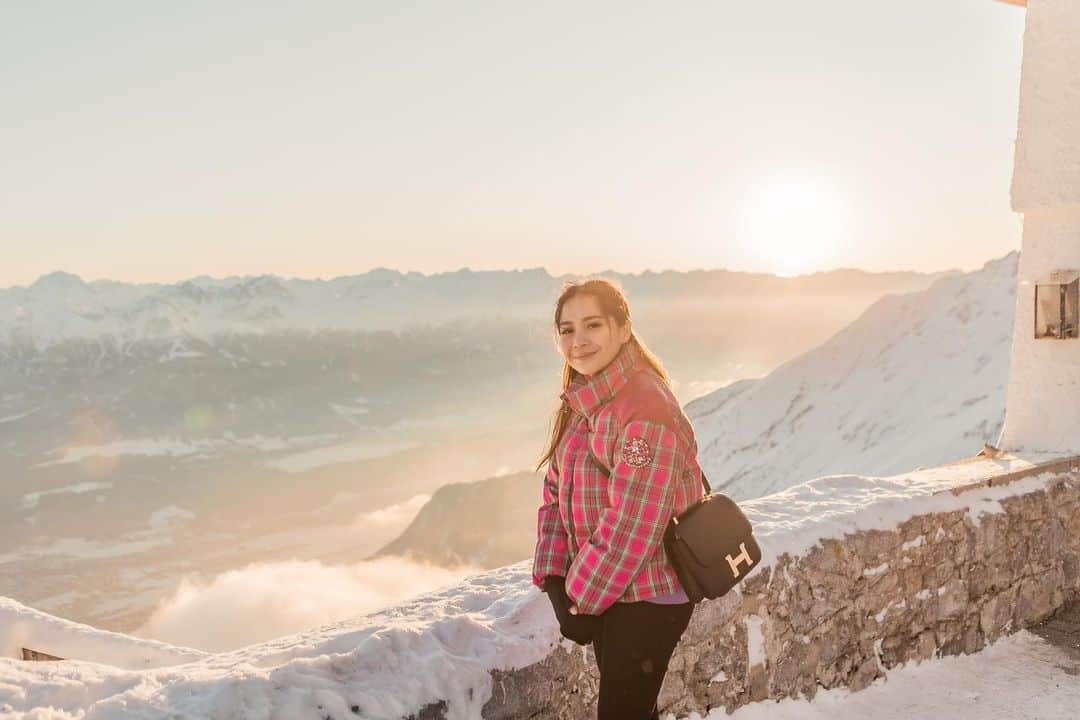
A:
(917, 380)
(61, 306)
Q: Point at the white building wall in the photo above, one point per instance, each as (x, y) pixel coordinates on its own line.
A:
(1043, 399)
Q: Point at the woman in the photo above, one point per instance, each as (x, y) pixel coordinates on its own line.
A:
(621, 461)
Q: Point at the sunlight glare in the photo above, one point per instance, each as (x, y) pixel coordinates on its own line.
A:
(795, 223)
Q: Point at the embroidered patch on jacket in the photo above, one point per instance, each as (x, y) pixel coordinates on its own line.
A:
(636, 452)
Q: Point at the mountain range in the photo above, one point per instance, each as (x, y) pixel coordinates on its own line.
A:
(61, 306)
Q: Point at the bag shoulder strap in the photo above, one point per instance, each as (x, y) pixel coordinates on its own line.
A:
(607, 473)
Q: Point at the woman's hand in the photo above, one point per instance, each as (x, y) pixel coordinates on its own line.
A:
(573, 626)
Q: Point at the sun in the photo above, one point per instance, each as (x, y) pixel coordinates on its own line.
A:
(795, 223)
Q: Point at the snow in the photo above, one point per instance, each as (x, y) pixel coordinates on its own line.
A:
(1019, 676)
(132, 446)
(898, 604)
(345, 452)
(189, 315)
(441, 645)
(755, 641)
(21, 626)
(797, 519)
(173, 447)
(917, 380)
(31, 500)
(158, 531)
(170, 516)
(911, 544)
(20, 416)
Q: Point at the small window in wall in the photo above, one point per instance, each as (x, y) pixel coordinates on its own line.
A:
(1057, 306)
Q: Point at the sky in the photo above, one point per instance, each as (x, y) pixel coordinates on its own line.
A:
(154, 142)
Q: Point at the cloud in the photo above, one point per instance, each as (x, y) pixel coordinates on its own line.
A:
(268, 600)
(395, 516)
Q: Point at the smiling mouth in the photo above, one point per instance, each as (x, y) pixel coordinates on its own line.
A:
(587, 355)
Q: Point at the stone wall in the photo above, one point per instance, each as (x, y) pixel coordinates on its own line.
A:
(938, 584)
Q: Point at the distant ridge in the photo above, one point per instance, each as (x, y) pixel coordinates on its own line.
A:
(60, 306)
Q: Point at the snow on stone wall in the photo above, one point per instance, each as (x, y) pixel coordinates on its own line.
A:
(966, 568)
(857, 574)
(22, 627)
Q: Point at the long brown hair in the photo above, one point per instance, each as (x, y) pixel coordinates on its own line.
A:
(613, 304)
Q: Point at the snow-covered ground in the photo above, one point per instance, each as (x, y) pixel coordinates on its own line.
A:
(439, 646)
(1019, 676)
(917, 380)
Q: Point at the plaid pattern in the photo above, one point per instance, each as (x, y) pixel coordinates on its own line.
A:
(552, 556)
(604, 531)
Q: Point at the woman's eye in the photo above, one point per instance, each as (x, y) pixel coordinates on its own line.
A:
(591, 326)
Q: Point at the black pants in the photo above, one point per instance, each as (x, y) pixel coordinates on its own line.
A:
(633, 643)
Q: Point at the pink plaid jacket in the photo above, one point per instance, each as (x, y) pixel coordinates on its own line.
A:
(604, 533)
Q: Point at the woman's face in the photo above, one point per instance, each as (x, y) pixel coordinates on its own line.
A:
(587, 338)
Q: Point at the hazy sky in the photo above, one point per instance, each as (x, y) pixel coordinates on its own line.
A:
(157, 141)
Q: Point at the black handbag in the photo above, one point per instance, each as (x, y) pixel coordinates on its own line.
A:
(711, 546)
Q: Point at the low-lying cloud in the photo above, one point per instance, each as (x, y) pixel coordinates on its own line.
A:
(393, 517)
(268, 600)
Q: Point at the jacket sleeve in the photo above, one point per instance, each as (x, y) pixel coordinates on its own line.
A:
(641, 492)
(551, 556)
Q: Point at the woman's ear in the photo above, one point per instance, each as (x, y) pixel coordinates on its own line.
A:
(625, 333)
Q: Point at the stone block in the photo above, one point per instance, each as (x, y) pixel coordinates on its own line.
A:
(1070, 568)
(973, 637)
(876, 546)
(758, 683)
(996, 613)
(864, 675)
(977, 579)
(952, 599)
(1034, 602)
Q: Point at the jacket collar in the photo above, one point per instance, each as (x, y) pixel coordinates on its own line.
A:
(586, 394)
